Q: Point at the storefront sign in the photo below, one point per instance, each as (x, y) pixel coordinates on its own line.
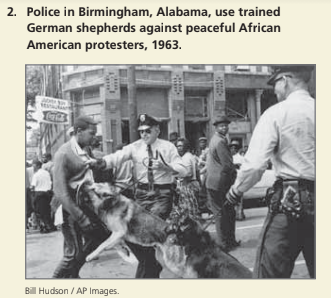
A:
(52, 110)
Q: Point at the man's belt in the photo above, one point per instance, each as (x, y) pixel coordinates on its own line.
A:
(145, 186)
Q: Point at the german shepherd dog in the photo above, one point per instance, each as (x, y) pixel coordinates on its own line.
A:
(181, 245)
(190, 252)
(124, 218)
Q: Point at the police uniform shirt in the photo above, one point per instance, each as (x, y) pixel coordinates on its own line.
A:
(137, 152)
(286, 134)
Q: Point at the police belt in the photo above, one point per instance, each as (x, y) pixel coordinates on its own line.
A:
(293, 197)
(299, 184)
(145, 186)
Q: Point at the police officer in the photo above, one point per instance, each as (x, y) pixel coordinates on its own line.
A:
(285, 134)
(155, 161)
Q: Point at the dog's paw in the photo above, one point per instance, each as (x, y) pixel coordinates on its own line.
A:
(90, 257)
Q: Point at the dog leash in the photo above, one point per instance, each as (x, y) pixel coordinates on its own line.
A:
(213, 217)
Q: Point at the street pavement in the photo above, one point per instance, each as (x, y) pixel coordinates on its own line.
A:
(44, 251)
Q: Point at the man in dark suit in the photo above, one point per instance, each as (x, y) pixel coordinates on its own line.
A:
(82, 230)
(221, 174)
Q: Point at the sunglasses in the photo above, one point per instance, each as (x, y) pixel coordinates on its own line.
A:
(148, 131)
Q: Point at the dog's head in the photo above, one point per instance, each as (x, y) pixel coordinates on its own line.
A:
(101, 196)
(182, 229)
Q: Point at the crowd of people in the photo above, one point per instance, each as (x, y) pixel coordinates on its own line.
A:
(168, 178)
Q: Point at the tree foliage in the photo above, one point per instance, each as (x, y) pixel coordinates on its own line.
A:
(34, 83)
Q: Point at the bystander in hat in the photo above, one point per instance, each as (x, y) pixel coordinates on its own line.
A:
(221, 119)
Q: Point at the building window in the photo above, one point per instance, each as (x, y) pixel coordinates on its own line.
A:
(197, 66)
(236, 104)
(92, 92)
(93, 73)
(125, 132)
(242, 68)
(196, 106)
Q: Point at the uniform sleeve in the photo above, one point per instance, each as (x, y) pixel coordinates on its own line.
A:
(116, 159)
(176, 162)
(261, 147)
(61, 190)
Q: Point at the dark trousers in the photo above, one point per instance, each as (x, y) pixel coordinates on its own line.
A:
(76, 248)
(283, 237)
(28, 206)
(42, 207)
(159, 203)
(225, 218)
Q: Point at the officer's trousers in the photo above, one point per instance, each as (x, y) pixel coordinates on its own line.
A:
(282, 239)
(284, 235)
(160, 204)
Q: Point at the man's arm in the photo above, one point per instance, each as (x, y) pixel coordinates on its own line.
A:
(261, 148)
(225, 157)
(262, 145)
(114, 160)
(176, 163)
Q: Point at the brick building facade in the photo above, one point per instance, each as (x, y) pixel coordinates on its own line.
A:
(184, 97)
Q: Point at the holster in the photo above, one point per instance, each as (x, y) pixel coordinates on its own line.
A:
(295, 198)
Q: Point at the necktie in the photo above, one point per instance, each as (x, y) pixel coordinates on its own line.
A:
(150, 176)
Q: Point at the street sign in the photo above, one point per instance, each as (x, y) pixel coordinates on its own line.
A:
(52, 110)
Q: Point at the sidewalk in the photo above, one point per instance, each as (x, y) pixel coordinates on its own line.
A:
(44, 251)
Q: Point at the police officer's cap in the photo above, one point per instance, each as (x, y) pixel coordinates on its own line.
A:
(145, 121)
(221, 119)
(287, 69)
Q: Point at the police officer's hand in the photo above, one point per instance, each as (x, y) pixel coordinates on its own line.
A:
(232, 197)
(159, 165)
(96, 164)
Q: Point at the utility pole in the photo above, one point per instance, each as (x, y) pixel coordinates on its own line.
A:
(132, 98)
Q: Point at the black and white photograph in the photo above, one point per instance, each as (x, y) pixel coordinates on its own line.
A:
(170, 171)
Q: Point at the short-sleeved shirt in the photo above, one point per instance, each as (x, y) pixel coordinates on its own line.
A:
(285, 134)
(41, 180)
(137, 152)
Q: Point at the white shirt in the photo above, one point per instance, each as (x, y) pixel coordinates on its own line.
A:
(190, 163)
(285, 134)
(238, 158)
(41, 180)
(137, 152)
